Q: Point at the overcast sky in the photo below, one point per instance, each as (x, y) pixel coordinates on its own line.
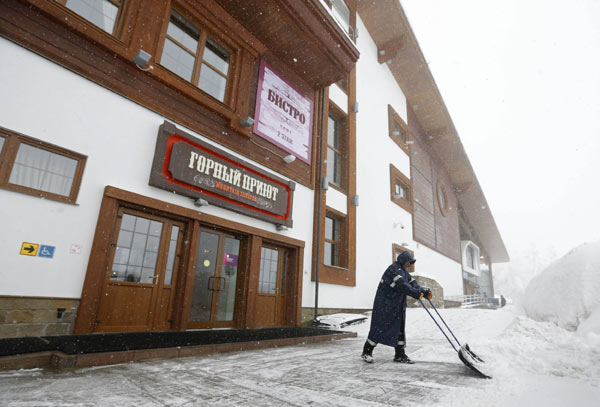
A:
(521, 80)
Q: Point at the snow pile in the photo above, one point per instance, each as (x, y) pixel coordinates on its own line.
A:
(567, 293)
(341, 320)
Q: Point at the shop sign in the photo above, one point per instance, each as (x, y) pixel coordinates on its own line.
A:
(189, 166)
(283, 115)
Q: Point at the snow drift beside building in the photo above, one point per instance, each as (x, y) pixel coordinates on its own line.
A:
(567, 292)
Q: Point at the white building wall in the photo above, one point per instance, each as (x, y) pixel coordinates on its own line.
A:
(43, 100)
(380, 222)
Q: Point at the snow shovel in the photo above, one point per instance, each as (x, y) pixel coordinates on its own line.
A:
(465, 354)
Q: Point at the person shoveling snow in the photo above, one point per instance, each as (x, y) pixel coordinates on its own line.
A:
(388, 320)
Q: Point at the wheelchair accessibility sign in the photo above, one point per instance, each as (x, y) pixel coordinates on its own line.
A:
(35, 249)
(46, 251)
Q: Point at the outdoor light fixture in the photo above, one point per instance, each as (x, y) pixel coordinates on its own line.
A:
(247, 122)
(200, 202)
(325, 184)
(289, 158)
(355, 107)
(395, 133)
(355, 200)
(141, 60)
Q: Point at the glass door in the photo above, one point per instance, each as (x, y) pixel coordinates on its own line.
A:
(215, 280)
(140, 284)
(271, 299)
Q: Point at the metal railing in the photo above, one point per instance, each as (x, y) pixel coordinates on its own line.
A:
(469, 301)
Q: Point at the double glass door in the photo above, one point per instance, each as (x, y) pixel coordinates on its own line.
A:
(215, 280)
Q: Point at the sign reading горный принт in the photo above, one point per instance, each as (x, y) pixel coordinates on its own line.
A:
(188, 166)
(283, 114)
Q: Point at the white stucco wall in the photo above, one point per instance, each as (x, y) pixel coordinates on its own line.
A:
(380, 222)
(43, 100)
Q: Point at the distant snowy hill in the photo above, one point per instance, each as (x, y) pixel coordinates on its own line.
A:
(567, 292)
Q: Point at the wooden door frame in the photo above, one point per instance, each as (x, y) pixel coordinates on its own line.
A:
(160, 266)
(113, 197)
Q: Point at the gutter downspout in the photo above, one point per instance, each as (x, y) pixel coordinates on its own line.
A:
(319, 192)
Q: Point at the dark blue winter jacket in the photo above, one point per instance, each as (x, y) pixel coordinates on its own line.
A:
(389, 308)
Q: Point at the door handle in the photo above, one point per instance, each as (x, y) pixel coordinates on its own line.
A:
(211, 286)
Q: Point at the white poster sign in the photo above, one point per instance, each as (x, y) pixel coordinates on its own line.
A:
(283, 114)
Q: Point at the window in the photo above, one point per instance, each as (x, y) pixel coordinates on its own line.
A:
(471, 256)
(334, 238)
(344, 17)
(336, 158)
(37, 168)
(442, 198)
(101, 13)
(398, 130)
(196, 56)
(400, 189)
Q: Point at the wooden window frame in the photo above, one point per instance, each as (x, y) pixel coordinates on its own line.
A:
(342, 243)
(206, 30)
(395, 119)
(120, 36)
(396, 248)
(396, 177)
(342, 121)
(8, 155)
(439, 190)
(117, 29)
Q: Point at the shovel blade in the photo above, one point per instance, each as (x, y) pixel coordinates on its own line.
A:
(466, 356)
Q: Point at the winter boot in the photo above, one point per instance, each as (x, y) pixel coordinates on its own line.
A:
(367, 354)
(401, 356)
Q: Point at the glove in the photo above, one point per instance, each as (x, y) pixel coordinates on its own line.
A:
(426, 292)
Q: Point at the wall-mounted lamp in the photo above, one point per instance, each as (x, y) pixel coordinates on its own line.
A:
(247, 122)
(141, 60)
(355, 200)
(355, 107)
(325, 184)
(395, 133)
(200, 202)
(280, 227)
(396, 224)
(290, 158)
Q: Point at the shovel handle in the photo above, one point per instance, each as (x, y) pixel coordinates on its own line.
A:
(438, 325)
(449, 330)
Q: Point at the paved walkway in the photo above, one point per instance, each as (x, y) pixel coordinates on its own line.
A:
(327, 374)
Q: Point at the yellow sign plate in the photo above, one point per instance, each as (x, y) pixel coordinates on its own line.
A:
(29, 249)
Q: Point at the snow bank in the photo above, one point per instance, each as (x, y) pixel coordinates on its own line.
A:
(567, 292)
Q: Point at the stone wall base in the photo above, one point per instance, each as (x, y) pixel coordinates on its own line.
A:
(35, 316)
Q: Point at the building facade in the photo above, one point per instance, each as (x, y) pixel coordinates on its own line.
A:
(173, 165)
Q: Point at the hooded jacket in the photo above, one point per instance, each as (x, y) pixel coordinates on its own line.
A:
(389, 307)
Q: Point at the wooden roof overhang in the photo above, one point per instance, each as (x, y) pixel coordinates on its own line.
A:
(302, 34)
(397, 46)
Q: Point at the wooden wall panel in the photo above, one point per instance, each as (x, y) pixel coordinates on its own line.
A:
(420, 157)
(423, 226)
(423, 191)
(447, 231)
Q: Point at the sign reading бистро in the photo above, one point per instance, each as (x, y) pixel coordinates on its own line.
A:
(188, 166)
(283, 115)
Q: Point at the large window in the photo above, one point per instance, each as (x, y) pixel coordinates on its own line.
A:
(37, 168)
(400, 189)
(196, 56)
(334, 240)
(102, 13)
(336, 157)
(398, 130)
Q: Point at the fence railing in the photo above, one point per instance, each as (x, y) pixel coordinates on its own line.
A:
(468, 301)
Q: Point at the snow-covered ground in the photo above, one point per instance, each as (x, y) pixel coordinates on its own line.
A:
(543, 353)
(532, 363)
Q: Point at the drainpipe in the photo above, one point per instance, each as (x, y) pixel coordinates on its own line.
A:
(319, 192)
